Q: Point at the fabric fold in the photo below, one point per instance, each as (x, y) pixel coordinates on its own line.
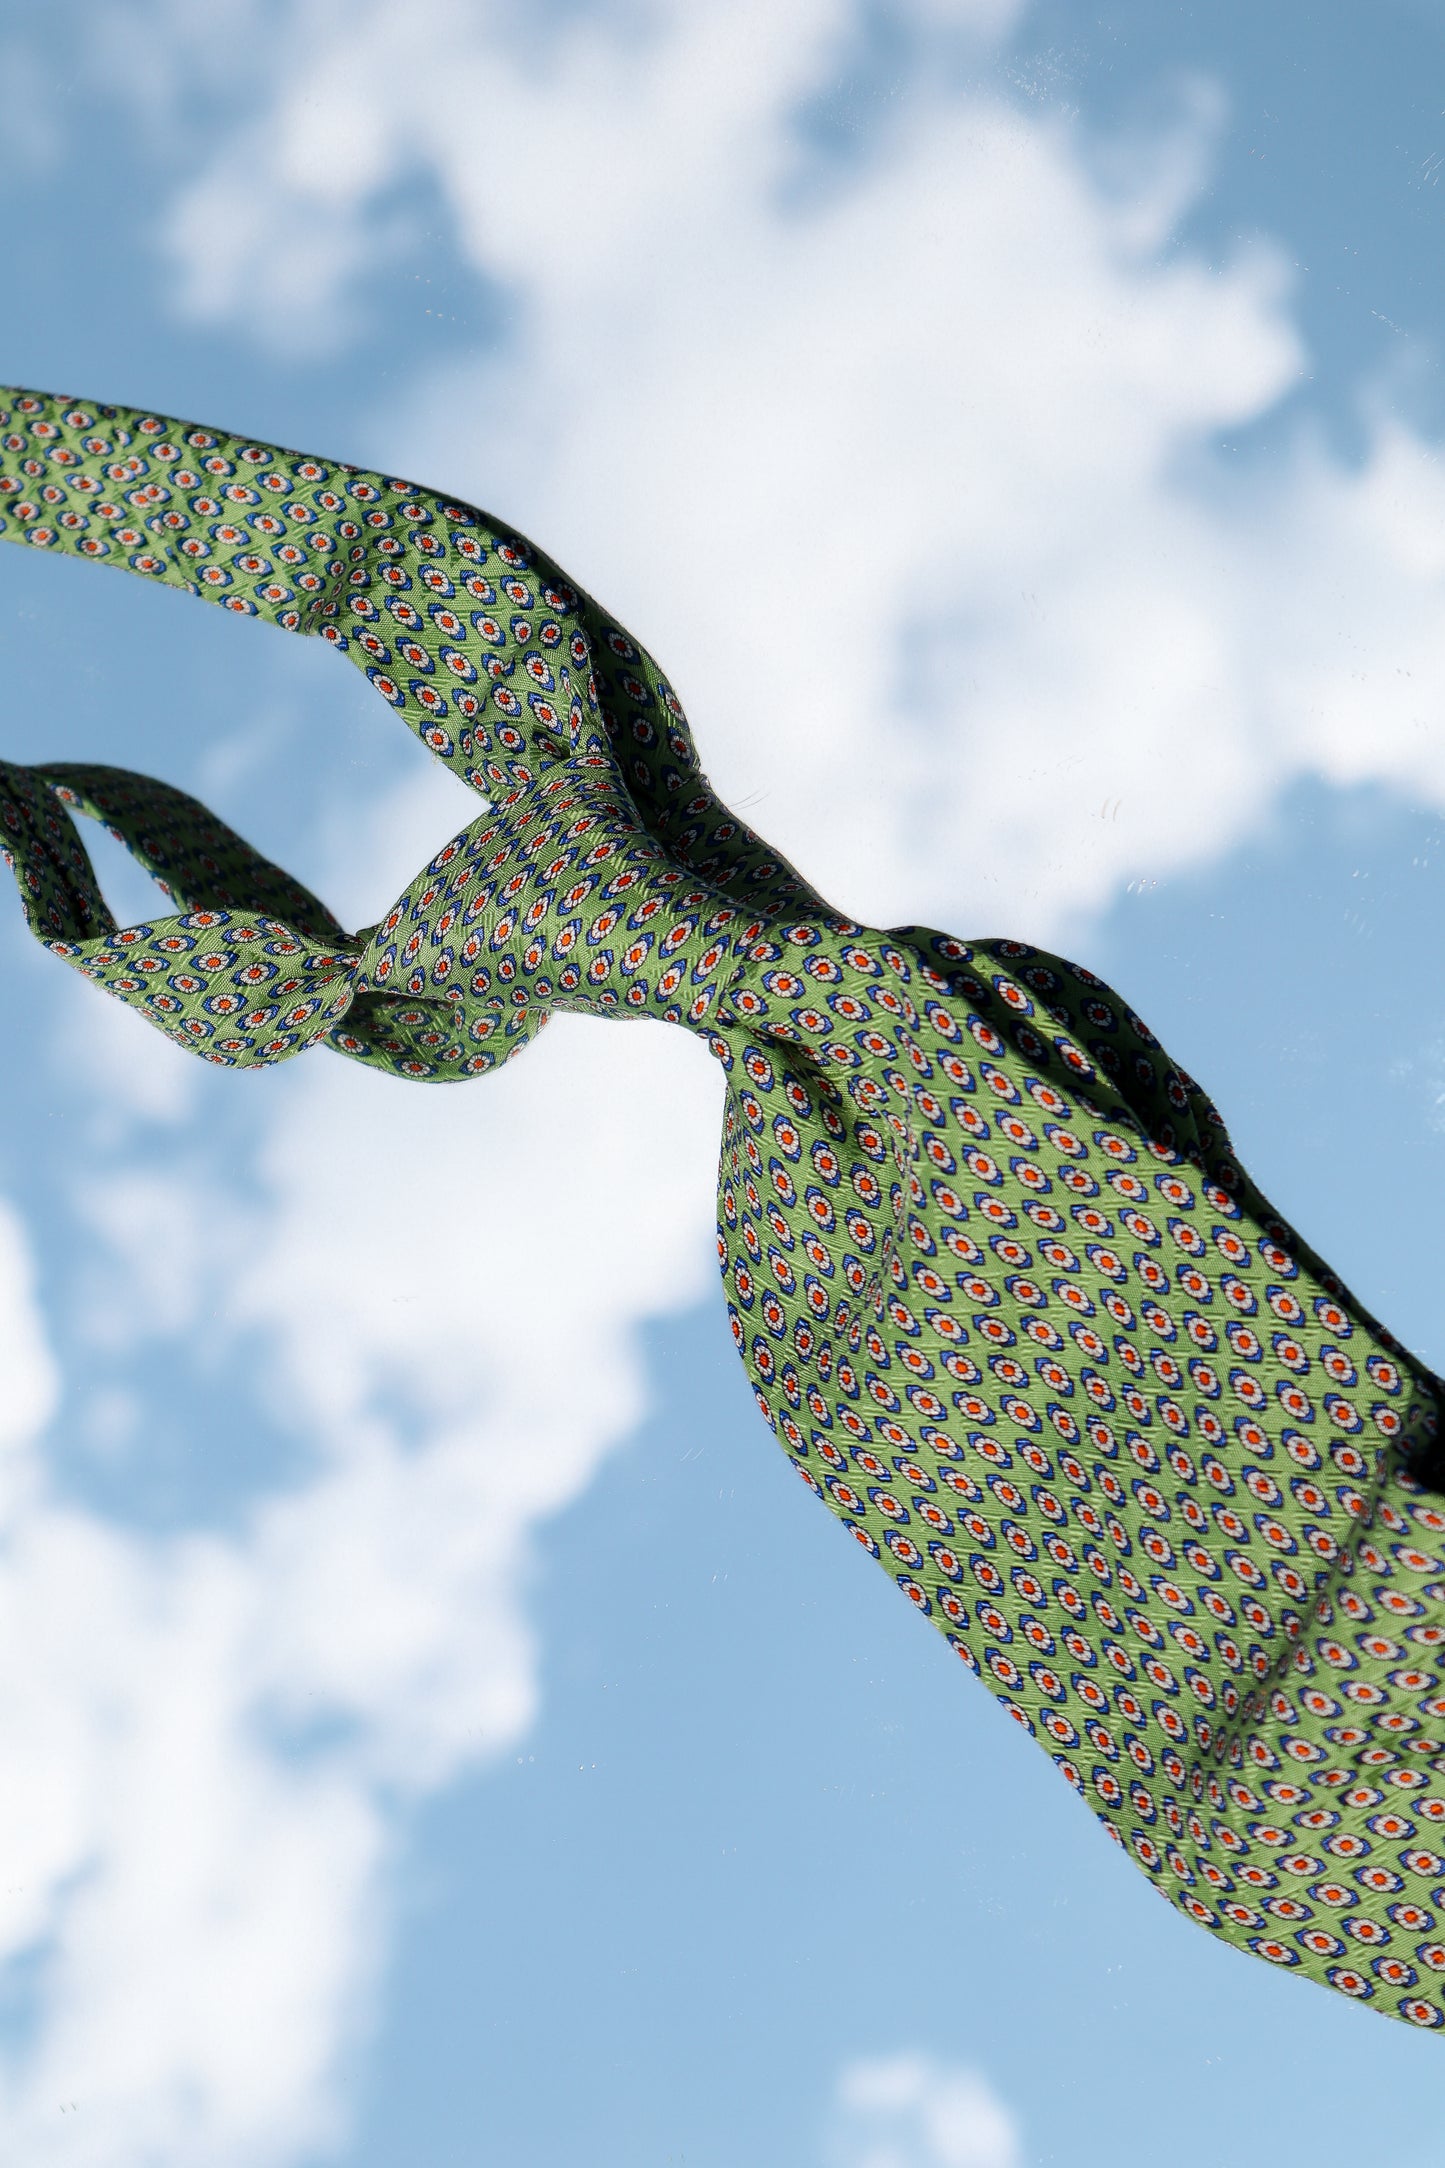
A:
(1002, 1289)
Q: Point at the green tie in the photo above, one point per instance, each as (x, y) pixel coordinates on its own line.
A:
(1002, 1290)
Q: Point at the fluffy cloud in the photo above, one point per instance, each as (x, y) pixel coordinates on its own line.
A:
(907, 2111)
(207, 1735)
(210, 1734)
(899, 467)
(31, 1386)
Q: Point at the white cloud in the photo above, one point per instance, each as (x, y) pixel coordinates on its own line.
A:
(480, 1261)
(909, 2111)
(199, 1909)
(147, 1078)
(207, 1736)
(31, 1386)
(889, 470)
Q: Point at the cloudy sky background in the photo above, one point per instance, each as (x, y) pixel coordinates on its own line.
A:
(435, 1726)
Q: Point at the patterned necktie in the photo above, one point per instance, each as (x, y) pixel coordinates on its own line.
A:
(1003, 1291)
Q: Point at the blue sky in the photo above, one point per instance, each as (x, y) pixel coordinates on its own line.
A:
(438, 1728)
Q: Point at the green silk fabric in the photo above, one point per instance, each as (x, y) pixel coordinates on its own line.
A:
(1003, 1291)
